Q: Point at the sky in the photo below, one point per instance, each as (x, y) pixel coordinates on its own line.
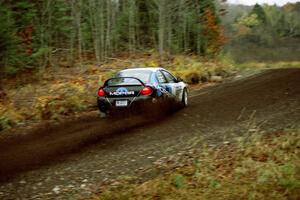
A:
(252, 2)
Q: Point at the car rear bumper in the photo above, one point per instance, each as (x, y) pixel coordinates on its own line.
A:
(107, 105)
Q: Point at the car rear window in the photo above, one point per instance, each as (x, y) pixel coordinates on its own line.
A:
(143, 75)
(122, 81)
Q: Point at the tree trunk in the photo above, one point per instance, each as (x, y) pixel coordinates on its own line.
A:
(161, 26)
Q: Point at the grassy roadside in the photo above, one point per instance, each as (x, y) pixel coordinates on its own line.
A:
(254, 167)
(268, 65)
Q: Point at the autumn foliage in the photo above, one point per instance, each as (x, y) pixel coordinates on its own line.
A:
(213, 33)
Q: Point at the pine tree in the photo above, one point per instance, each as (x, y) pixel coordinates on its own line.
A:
(259, 11)
(15, 35)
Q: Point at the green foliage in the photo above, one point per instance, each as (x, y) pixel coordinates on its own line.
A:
(8, 116)
(24, 12)
(214, 183)
(14, 20)
(260, 13)
(249, 20)
(39, 33)
(41, 52)
(179, 181)
(8, 42)
(270, 30)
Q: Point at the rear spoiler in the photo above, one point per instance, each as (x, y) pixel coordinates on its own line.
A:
(106, 83)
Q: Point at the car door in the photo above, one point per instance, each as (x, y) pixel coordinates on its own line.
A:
(163, 85)
(172, 83)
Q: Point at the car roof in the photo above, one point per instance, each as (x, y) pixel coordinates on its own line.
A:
(153, 69)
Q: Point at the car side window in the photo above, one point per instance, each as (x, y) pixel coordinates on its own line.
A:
(160, 77)
(170, 78)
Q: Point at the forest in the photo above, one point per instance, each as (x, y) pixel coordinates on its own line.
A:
(39, 34)
(263, 33)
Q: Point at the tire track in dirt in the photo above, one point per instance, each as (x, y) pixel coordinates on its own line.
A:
(28, 151)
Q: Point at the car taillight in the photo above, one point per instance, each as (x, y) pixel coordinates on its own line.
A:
(146, 91)
(101, 93)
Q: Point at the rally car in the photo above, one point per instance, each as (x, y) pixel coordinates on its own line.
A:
(137, 88)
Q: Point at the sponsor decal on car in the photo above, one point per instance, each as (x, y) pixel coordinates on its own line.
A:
(121, 91)
(163, 90)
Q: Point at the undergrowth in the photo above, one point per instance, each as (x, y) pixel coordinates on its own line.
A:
(255, 167)
(9, 117)
(66, 91)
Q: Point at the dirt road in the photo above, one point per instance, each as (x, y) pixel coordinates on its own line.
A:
(72, 160)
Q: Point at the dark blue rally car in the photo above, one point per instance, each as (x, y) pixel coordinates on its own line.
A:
(133, 89)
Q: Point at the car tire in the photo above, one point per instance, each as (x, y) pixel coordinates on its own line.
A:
(184, 98)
